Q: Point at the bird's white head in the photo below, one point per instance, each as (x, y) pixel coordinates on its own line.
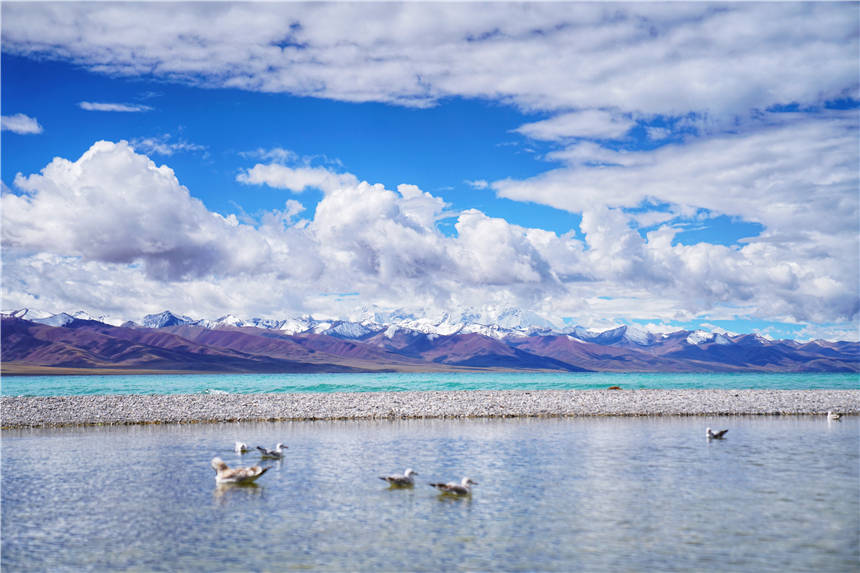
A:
(410, 472)
(218, 464)
(468, 481)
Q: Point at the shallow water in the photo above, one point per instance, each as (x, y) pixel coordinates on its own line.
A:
(596, 494)
(395, 382)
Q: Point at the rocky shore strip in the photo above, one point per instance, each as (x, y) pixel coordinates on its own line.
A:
(33, 412)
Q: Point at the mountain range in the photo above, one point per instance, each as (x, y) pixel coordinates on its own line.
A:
(34, 344)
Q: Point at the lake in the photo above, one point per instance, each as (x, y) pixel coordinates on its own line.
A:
(394, 382)
(594, 494)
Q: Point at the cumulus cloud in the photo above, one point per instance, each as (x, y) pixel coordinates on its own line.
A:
(115, 206)
(113, 217)
(120, 107)
(21, 124)
(113, 213)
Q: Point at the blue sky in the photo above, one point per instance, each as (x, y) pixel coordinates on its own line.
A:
(681, 165)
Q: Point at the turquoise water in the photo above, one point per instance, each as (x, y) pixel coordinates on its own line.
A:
(589, 494)
(395, 382)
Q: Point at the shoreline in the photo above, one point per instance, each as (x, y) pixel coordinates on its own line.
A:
(133, 409)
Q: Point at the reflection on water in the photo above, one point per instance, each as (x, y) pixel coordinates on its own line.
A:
(227, 491)
(777, 494)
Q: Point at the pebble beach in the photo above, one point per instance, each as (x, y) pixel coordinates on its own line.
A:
(58, 411)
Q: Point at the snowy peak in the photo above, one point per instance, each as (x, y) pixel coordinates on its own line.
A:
(699, 337)
(27, 314)
(60, 319)
(164, 319)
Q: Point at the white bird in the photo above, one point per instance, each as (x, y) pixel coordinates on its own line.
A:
(401, 481)
(275, 454)
(712, 435)
(453, 488)
(241, 447)
(223, 473)
(833, 416)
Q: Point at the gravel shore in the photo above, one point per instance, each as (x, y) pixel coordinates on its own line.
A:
(27, 412)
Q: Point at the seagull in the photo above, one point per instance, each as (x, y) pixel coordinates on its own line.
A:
(276, 454)
(715, 435)
(833, 416)
(223, 473)
(401, 481)
(241, 447)
(453, 488)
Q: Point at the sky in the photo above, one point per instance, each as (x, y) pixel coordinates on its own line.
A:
(667, 165)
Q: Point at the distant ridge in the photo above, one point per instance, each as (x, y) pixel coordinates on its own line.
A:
(169, 342)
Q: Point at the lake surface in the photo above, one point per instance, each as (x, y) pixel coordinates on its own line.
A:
(596, 494)
(395, 382)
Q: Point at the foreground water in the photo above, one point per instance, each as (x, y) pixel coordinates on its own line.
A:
(394, 382)
(597, 494)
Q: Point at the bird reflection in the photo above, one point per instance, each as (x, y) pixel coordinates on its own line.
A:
(226, 491)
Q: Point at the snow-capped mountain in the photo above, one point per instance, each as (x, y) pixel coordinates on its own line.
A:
(398, 341)
(500, 324)
(164, 319)
(630, 335)
(58, 319)
(698, 337)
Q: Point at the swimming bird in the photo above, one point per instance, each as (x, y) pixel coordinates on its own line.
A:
(401, 481)
(833, 415)
(715, 435)
(453, 488)
(275, 454)
(241, 447)
(223, 473)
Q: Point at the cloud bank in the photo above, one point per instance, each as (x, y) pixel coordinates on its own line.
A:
(80, 228)
(647, 58)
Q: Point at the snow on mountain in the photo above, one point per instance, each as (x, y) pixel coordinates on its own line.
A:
(343, 329)
(700, 337)
(524, 322)
(503, 323)
(720, 338)
(638, 336)
(164, 319)
(297, 325)
(27, 314)
(59, 319)
(229, 320)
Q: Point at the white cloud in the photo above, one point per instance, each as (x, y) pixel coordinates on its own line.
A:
(794, 177)
(276, 154)
(477, 184)
(162, 145)
(296, 179)
(648, 58)
(591, 124)
(120, 107)
(113, 226)
(21, 124)
(115, 206)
